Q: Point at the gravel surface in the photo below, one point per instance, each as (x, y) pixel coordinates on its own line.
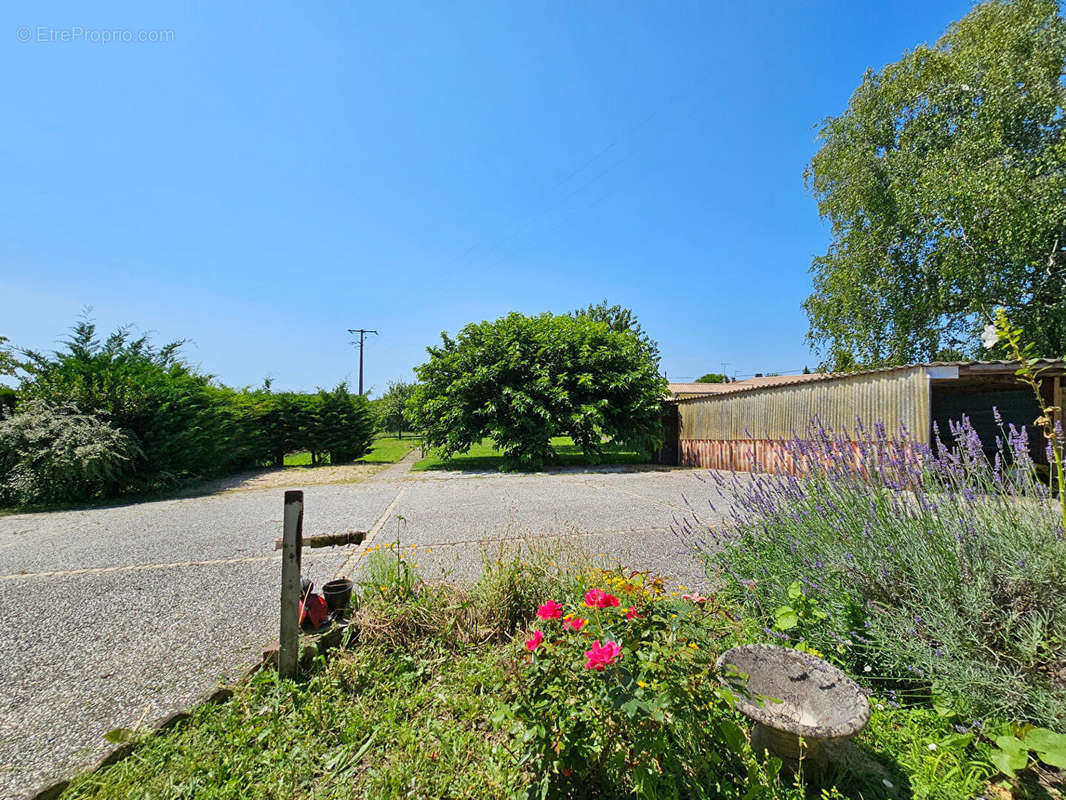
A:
(109, 611)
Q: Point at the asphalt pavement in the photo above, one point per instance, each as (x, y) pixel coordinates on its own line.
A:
(111, 615)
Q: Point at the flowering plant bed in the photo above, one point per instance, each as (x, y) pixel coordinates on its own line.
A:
(617, 693)
(450, 693)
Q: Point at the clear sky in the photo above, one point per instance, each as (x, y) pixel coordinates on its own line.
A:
(264, 176)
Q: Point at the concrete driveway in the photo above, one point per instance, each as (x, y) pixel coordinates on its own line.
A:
(114, 613)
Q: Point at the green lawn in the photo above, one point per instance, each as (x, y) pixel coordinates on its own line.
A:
(385, 450)
(485, 456)
(374, 724)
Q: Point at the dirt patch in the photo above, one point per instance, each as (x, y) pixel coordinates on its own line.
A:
(291, 477)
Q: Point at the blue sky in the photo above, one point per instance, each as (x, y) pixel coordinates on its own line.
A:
(270, 175)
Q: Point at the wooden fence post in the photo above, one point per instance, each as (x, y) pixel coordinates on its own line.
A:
(292, 533)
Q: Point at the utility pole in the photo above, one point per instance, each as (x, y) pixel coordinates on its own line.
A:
(726, 374)
(362, 335)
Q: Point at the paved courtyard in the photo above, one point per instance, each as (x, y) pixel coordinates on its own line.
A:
(114, 613)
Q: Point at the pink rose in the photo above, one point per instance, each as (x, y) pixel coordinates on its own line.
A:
(534, 641)
(550, 610)
(632, 613)
(575, 623)
(597, 598)
(601, 655)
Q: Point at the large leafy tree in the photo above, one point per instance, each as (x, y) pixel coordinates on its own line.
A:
(392, 406)
(522, 380)
(620, 318)
(7, 360)
(945, 184)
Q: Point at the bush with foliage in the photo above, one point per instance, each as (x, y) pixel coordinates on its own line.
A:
(391, 407)
(521, 380)
(180, 422)
(618, 695)
(54, 454)
(937, 575)
(343, 426)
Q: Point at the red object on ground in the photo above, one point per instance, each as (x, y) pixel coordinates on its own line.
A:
(313, 609)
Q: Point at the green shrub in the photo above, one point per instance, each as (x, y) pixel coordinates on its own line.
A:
(181, 421)
(390, 410)
(520, 381)
(186, 424)
(51, 454)
(933, 576)
(619, 696)
(344, 426)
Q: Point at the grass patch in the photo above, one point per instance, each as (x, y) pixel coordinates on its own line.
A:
(424, 706)
(485, 456)
(389, 450)
(373, 723)
(385, 450)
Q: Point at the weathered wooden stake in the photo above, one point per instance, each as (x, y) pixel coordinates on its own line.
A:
(292, 530)
(327, 540)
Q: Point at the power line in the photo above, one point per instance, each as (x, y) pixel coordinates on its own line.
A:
(362, 335)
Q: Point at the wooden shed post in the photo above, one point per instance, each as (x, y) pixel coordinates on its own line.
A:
(292, 533)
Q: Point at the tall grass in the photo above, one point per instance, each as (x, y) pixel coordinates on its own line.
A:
(942, 572)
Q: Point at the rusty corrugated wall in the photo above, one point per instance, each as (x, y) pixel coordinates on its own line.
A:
(715, 429)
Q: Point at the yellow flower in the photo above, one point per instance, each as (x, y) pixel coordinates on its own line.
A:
(694, 646)
(641, 684)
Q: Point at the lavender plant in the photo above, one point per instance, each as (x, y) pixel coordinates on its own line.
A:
(940, 572)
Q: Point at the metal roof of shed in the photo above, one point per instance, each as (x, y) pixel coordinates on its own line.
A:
(966, 369)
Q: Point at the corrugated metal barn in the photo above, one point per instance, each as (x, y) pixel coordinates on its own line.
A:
(728, 429)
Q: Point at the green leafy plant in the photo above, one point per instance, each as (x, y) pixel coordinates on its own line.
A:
(618, 695)
(182, 423)
(801, 614)
(8, 363)
(801, 610)
(1001, 330)
(1015, 745)
(55, 454)
(391, 407)
(389, 575)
